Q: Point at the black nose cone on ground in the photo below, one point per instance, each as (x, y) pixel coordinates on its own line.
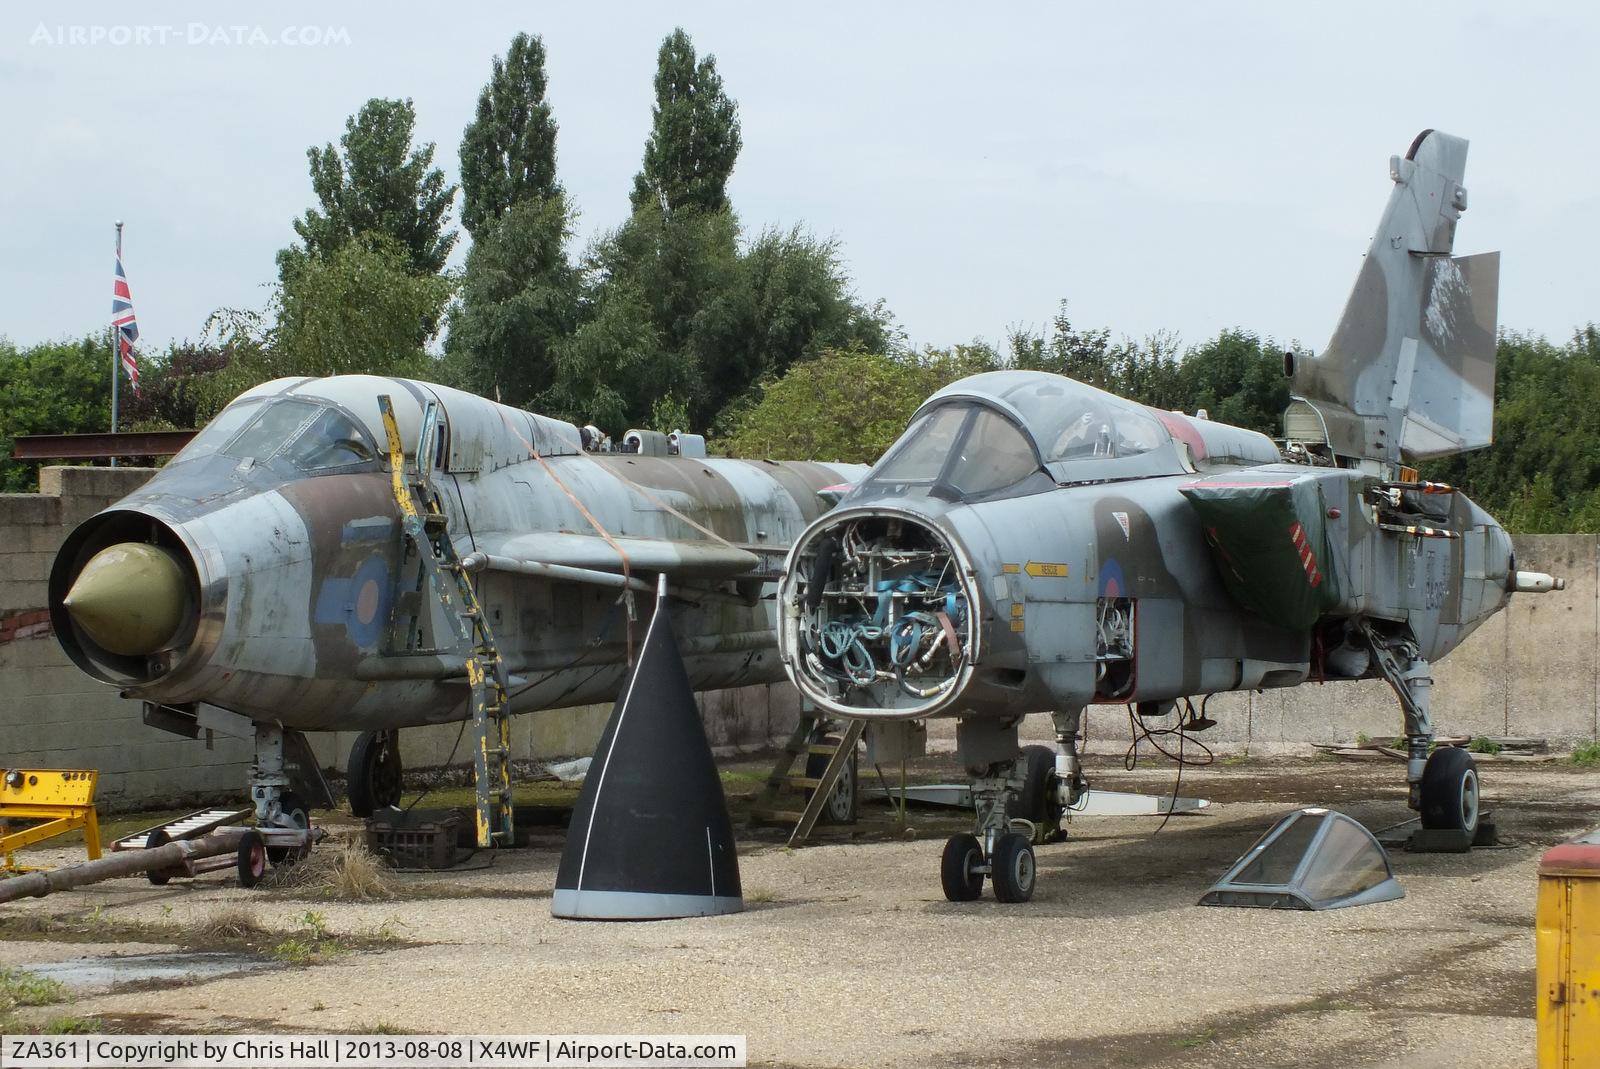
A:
(650, 837)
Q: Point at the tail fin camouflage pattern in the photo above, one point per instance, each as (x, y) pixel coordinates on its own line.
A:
(1409, 372)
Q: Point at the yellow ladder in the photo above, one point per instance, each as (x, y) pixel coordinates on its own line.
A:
(427, 528)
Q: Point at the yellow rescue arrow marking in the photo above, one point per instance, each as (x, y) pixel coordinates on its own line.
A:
(1045, 570)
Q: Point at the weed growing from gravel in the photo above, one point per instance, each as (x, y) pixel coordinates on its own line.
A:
(71, 1026)
(19, 988)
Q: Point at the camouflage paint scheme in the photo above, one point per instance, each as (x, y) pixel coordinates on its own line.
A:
(298, 591)
(1034, 544)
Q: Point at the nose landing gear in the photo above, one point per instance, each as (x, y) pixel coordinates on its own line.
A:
(1010, 866)
(997, 851)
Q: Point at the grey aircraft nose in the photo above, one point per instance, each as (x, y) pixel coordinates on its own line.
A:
(130, 598)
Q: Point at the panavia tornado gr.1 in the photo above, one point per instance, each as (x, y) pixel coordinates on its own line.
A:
(1034, 544)
(366, 554)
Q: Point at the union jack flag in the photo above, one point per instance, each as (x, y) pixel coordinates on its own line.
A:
(126, 326)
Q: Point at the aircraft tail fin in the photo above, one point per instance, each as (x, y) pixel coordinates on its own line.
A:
(1409, 371)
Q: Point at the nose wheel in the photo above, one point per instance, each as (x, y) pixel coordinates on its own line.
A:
(963, 867)
(1010, 867)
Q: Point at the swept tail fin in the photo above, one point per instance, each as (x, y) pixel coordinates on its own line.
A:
(1409, 371)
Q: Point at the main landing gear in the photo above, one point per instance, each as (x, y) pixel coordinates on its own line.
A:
(1014, 798)
(1444, 785)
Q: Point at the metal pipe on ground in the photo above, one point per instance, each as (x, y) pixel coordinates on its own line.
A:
(125, 863)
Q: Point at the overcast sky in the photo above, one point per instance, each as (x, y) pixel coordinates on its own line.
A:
(1186, 166)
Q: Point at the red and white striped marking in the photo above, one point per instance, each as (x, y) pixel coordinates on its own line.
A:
(1308, 559)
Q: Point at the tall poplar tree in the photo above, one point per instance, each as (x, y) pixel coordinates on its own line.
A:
(508, 152)
(694, 137)
(376, 183)
(519, 293)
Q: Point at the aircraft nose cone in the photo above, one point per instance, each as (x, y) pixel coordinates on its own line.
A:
(129, 598)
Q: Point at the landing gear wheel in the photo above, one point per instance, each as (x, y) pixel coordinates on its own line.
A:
(1012, 868)
(960, 870)
(374, 772)
(159, 877)
(1036, 802)
(252, 859)
(295, 810)
(1450, 791)
(840, 807)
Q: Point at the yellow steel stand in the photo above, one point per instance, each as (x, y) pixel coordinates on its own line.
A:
(62, 798)
(1568, 955)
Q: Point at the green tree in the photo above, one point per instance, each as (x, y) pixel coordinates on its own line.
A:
(361, 311)
(848, 406)
(170, 393)
(519, 303)
(508, 153)
(786, 300)
(51, 388)
(694, 136)
(375, 185)
(519, 292)
(651, 284)
(1542, 473)
(1237, 379)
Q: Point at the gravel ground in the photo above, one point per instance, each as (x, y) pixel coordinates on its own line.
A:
(849, 955)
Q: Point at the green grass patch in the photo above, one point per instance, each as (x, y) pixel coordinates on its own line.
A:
(1484, 744)
(1586, 755)
(19, 988)
(311, 941)
(71, 1026)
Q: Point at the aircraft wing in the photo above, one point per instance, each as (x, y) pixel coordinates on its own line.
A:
(689, 559)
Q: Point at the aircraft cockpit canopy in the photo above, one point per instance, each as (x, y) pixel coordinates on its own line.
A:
(964, 446)
(313, 436)
(990, 432)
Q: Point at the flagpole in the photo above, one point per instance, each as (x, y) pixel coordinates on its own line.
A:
(116, 355)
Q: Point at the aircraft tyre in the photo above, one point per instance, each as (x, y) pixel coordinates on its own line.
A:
(373, 775)
(961, 870)
(1450, 798)
(252, 859)
(158, 877)
(841, 805)
(295, 810)
(1036, 800)
(1012, 868)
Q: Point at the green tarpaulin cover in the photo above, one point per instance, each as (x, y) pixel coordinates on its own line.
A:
(1270, 542)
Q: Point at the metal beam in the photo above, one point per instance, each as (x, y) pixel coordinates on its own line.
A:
(99, 446)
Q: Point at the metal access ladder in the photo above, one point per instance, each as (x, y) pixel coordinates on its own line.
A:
(768, 805)
(427, 530)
